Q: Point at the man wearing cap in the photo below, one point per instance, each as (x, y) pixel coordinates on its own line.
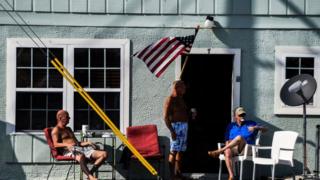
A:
(238, 134)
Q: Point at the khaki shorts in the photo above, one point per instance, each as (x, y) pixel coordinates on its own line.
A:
(237, 152)
(76, 150)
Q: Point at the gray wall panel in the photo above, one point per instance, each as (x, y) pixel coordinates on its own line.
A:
(205, 6)
(133, 6)
(296, 7)
(224, 7)
(97, 6)
(169, 6)
(278, 7)
(60, 6)
(79, 6)
(242, 7)
(42, 5)
(151, 6)
(260, 7)
(23, 5)
(115, 6)
(313, 7)
(187, 6)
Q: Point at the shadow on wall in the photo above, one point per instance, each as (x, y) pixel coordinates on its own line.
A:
(13, 171)
(281, 170)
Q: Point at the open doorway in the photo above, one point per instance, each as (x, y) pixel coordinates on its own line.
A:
(208, 78)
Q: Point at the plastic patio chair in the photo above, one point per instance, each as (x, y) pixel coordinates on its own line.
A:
(145, 140)
(247, 156)
(282, 148)
(55, 154)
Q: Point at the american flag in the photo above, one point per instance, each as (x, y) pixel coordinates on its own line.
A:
(159, 55)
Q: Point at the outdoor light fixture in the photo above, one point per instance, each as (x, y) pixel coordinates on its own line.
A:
(209, 23)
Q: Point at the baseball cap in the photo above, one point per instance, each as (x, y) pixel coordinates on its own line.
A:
(239, 111)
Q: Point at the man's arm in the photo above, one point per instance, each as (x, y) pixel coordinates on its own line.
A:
(166, 115)
(79, 143)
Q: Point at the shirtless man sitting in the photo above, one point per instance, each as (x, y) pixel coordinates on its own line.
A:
(64, 139)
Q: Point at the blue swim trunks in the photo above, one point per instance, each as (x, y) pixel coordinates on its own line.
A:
(180, 144)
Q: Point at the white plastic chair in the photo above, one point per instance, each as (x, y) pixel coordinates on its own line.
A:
(245, 157)
(281, 151)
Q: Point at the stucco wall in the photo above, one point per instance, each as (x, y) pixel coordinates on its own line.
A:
(148, 92)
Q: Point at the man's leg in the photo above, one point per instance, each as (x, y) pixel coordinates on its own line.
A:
(83, 164)
(228, 159)
(178, 164)
(172, 162)
(99, 157)
(236, 141)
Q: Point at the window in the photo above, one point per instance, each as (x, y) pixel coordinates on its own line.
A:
(292, 61)
(36, 90)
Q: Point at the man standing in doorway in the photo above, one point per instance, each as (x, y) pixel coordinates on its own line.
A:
(176, 119)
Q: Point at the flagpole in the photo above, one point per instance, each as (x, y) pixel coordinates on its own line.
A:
(186, 60)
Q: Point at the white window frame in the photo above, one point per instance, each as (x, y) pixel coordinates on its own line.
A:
(68, 46)
(281, 52)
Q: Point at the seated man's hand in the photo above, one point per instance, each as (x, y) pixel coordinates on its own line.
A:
(251, 128)
(70, 147)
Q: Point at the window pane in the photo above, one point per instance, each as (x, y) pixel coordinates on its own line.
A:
(40, 57)
(292, 62)
(23, 57)
(81, 57)
(113, 100)
(98, 98)
(113, 78)
(58, 52)
(55, 78)
(79, 102)
(103, 99)
(39, 101)
(37, 106)
(23, 78)
(23, 120)
(39, 120)
(39, 78)
(81, 76)
(307, 71)
(80, 118)
(96, 78)
(113, 57)
(291, 72)
(114, 115)
(96, 58)
(55, 101)
(52, 118)
(307, 62)
(23, 100)
(96, 123)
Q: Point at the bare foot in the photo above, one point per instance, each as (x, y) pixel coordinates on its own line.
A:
(214, 154)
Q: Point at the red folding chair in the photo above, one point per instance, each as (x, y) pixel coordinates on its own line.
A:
(56, 156)
(145, 140)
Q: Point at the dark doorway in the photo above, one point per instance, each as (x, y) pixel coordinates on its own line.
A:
(209, 83)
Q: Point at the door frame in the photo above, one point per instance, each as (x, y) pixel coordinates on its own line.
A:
(236, 69)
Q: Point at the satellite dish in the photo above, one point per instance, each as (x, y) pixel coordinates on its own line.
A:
(299, 90)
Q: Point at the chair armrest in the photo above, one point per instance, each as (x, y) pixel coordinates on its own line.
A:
(255, 150)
